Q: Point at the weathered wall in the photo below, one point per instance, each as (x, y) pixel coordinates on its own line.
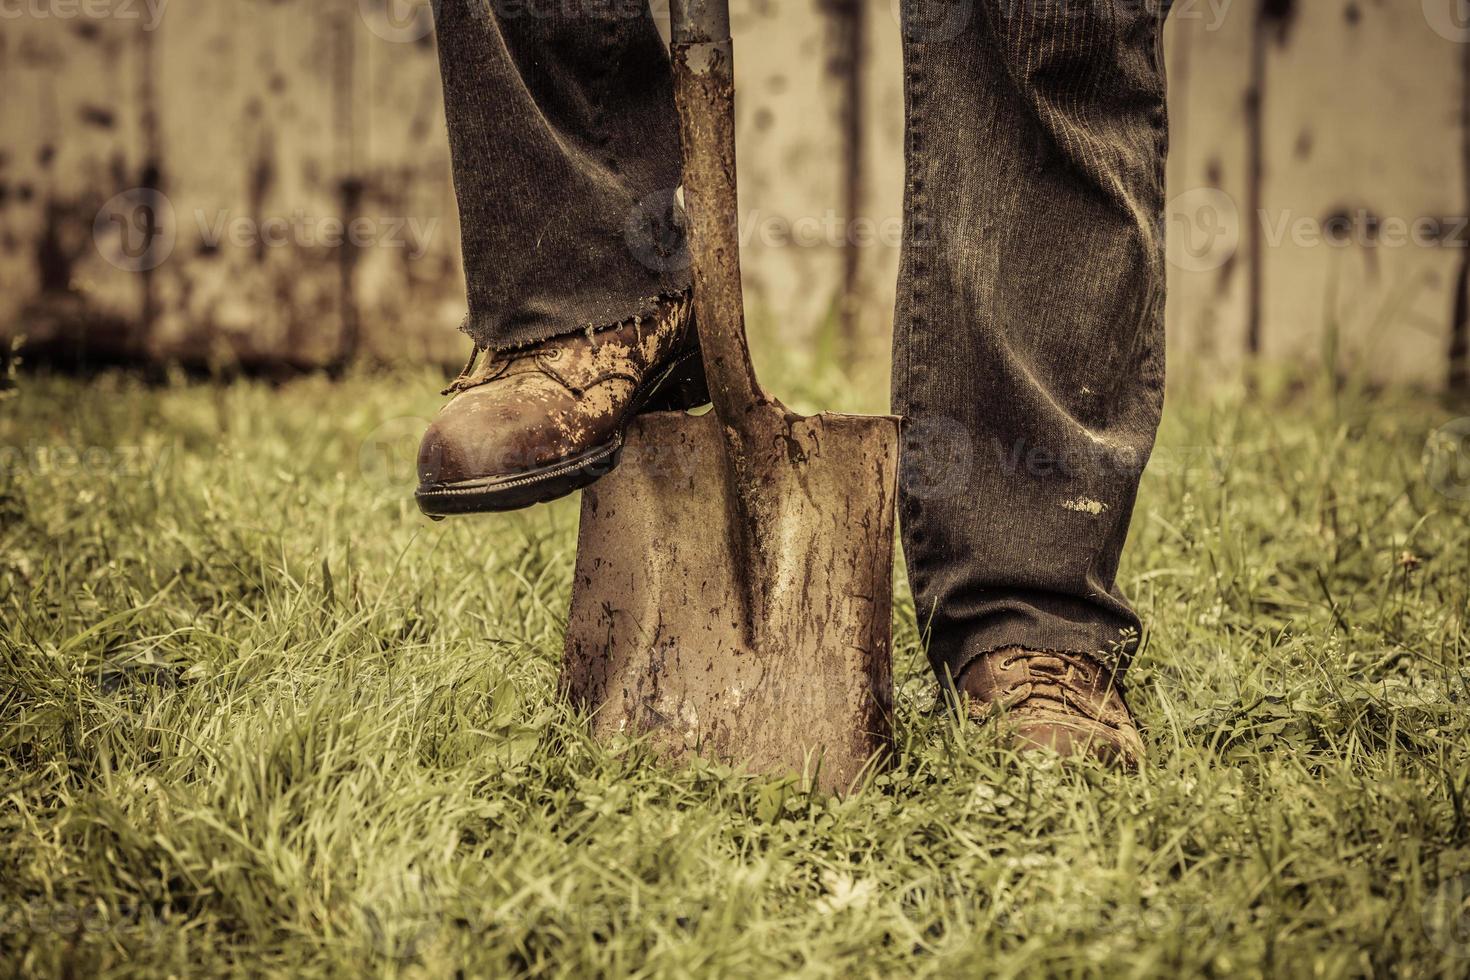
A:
(1358, 216)
(262, 134)
(255, 127)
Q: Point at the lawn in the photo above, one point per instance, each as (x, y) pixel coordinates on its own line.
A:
(257, 715)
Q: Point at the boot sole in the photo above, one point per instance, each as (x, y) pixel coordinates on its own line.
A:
(680, 387)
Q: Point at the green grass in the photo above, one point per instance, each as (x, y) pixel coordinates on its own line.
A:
(257, 715)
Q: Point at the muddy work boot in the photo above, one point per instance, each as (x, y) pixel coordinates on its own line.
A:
(1066, 702)
(536, 423)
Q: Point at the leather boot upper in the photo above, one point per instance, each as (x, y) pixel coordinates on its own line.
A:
(1067, 702)
(525, 409)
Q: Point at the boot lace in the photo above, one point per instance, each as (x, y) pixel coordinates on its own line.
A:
(1057, 681)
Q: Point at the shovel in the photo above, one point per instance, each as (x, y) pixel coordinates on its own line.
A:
(733, 581)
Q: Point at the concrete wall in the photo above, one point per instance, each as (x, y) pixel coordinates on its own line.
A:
(241, 134)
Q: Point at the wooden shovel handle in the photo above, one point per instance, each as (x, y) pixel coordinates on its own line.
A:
(704, 88)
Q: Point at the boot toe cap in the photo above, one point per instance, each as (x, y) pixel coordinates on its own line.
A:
(1072, 737)
(504, 431)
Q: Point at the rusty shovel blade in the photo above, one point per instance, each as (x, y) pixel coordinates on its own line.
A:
(734, 573)
(679, 634)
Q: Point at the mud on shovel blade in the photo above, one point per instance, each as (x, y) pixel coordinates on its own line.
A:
(733, 583)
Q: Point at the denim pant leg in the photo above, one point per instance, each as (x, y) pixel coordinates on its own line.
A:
(565, 148)
(1029, 342)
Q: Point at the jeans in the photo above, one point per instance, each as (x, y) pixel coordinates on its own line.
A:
(1028, 347)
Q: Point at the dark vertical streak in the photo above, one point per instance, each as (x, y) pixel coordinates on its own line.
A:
(1179, 78)
(152, 178)
(261, 178)
(1254, 170)
(1273, 18)
(54, 260)
(350, 187)
(1458, 378)
(847, 32)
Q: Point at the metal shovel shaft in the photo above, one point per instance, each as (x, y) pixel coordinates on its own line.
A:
(704, 88)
